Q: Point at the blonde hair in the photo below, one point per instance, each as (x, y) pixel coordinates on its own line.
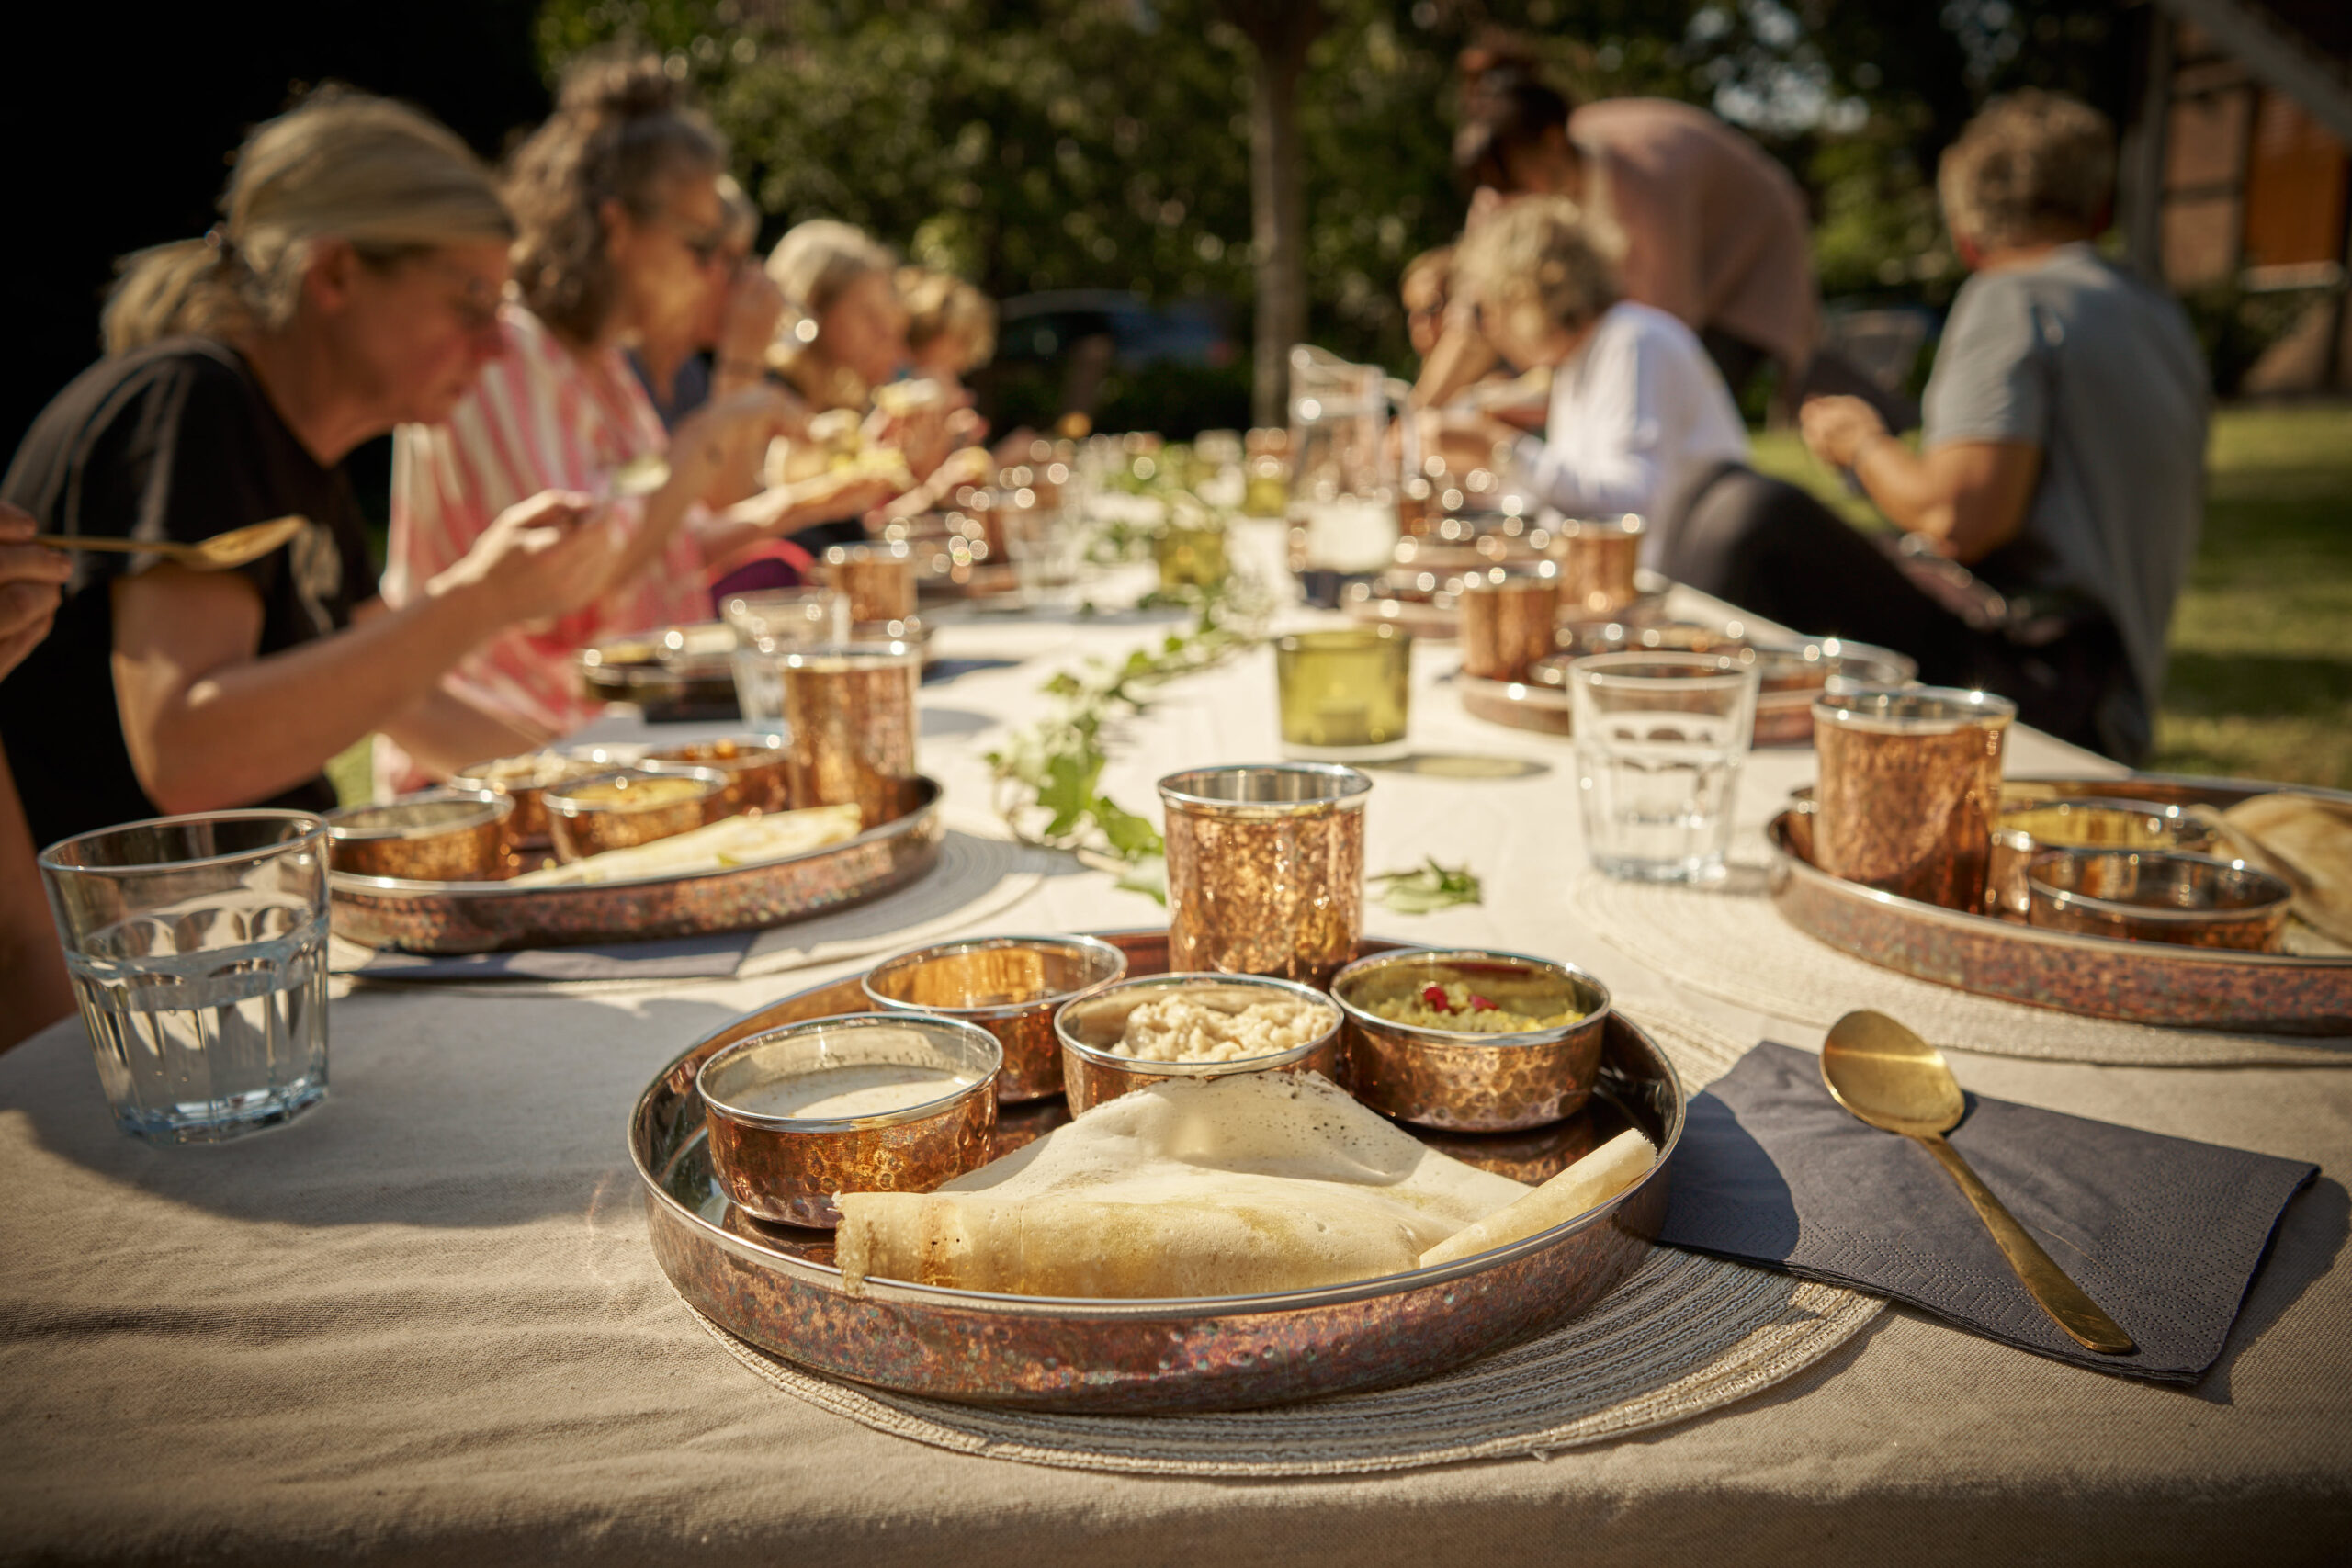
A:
(2034, 165)
(941, 305)
(382, 177)
(1543, 252)
(817, 261)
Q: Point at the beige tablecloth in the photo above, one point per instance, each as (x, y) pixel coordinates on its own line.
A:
(422, 1323)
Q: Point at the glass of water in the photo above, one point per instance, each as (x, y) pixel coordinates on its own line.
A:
(1659, 741)
(198, 949)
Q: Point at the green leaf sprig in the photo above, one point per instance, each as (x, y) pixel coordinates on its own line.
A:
(1049, 776)
(1428, 888)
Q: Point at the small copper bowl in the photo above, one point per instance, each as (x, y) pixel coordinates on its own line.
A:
(758, 770)
(2152, 895)
(1010, 986)
(1463, 1081)
(435, 835)
(786, 1168)
(525, 780)
(642, 805)
(1093, 1071)
(2024, 829)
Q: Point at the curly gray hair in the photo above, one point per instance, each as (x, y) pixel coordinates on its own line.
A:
(2034, 165)
(1543, 250)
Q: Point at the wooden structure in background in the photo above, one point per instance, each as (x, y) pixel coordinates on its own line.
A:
(2235, 168)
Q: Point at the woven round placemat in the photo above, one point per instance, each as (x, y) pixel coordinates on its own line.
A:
(1684, 1335)
(1730, 943)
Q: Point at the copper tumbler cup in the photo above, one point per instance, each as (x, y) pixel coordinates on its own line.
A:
(850, 709)
(1508, 620)
(879, 580)
(1265, 869)
(1597, 557)
(1910, 780)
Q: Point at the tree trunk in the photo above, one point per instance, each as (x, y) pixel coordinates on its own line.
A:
(1279, 33)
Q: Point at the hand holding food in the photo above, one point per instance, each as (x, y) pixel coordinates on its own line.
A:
(540, 559)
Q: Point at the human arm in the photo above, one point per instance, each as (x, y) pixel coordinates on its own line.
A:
(209, 723)
(701, 450)
(786, 509)
(1968, 497)
(33, 972)
(739, 364)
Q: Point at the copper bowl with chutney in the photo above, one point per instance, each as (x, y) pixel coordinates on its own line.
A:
(435, 835)
(1471, 1079)
(627, 807)
(758, 770)
(525, 780)
(859, 1102)
(2156, 896)
(1010, 986)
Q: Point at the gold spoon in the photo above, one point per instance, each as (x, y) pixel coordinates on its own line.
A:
(1898, 1083)
(217, 553)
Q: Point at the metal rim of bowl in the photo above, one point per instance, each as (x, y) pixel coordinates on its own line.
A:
(1953, 708)
(2157, 914)
(1348, 786)
(969, 1033)
(752, 749)
(1103, 1056)
(559, 802)
(492, 806)
(1090, 946)
(1576, 978)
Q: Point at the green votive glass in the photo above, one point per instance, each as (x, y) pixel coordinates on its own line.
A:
(1346, 693)
(1190, 557)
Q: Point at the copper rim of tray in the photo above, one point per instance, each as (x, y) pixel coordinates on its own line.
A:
(2164, 984)
(1213, 1352)
(489, 916)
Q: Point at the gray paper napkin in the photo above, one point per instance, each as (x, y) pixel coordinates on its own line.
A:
(2163, 1233)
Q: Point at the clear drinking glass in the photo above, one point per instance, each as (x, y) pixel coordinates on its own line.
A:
(197, 950)
(1345, 693)
(1659, 739)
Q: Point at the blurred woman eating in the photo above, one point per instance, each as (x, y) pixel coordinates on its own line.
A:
(623, 235)
(351, 286)
(1638, 414)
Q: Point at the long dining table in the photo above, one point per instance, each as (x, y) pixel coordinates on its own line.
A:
(423, 1321)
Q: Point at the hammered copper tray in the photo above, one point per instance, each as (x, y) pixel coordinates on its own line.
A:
(493, 917)
(777, 1288)
(2136, 982)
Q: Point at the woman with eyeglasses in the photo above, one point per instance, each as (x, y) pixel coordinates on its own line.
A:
(625, 238)
(350, 287)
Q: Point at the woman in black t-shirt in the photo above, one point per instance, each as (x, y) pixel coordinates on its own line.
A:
(353, 286)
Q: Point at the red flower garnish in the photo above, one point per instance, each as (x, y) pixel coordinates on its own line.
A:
(1435, 996)
(1480, 1004)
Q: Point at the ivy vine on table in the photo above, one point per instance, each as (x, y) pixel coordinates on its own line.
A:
(1049, 776)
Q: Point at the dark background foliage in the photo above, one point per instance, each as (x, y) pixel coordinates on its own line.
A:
(1029, 143)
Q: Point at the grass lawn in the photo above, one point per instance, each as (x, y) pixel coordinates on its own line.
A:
(2261, 680)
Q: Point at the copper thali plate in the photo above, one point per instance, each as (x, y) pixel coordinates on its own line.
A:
(491, 916)
(777, 1288)
(2136, 982)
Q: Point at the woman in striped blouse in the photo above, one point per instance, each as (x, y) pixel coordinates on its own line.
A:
(623, 237)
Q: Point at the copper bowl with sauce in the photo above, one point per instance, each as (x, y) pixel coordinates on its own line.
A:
(525, 780)
(1010, 986)
(435, 835)
(1464, 1080)
(758, 769)
(782, 1159)
(1094, 1069)
(629, 807)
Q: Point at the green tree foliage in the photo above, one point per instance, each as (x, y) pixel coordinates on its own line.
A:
(1035, 144)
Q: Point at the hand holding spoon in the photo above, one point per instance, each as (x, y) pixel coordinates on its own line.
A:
(219, 553)
(1898, 1083)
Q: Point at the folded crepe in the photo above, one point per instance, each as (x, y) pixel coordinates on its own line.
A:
(1238, 1186)
(2306, 842)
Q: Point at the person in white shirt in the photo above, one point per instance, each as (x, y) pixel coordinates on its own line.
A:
(1638, 414)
